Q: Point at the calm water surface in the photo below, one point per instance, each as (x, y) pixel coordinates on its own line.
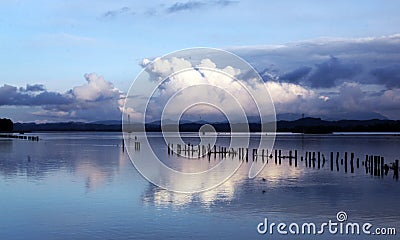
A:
(83, 186)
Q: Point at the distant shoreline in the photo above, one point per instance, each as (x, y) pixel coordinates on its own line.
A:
(303, 125)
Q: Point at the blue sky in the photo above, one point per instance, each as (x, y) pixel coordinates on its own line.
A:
(55, 43)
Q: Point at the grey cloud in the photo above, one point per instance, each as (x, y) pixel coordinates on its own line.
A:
(118, 12)
(296, 75)
(33, 88)
(389, 76)
(195, 5)
(354, 60)
(10, 95)
(95, 100)
(328, 72)
(177, 7)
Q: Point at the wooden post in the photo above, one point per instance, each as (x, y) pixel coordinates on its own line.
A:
(371, 165)
(378, 166)
(290, 158)
(313, 159)
(352, 162)
(295, 158)
(262, 154)
(215, 151)
(319, 160)
(280, 157)
(382, 165)
(331, 161)
(198, 151)
(337, 161)
(345, 162)
(247, 154)
(276, 156)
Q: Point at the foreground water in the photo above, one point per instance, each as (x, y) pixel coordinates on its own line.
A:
(83, 186)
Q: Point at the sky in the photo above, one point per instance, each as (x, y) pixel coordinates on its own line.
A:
(75, 60)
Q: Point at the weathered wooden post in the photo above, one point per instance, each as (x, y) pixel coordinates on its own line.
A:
(262, 154)
(371, 165)
(319, 160)
(313, 159)
(345, 162)
(280, 157)
(331, 161)
(337, 161)
(198, 151)
(295, 158)
(352, 162)
(378, 166)
(396, 170)
(215, 151)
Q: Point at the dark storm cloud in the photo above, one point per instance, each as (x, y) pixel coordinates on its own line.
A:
(327, 73)
(10, 95)
(296, 75)
(350, 78)
(389, 76)
(363, 60)
(33, 88)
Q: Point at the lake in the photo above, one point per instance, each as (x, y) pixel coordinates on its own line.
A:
(83, 186)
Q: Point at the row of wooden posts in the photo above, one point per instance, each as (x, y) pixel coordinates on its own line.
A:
(374, 165)
(137, 144)
(23, 137)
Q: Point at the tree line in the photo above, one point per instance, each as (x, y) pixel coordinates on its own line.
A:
(6, 125)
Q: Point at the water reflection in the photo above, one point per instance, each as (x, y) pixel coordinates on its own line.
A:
(86, 179)
(96, 160)
(301, 191)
